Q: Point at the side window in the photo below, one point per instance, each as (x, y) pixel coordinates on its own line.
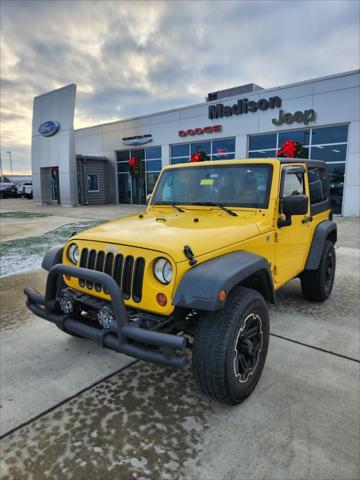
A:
(318, 185)
(93, 183)
(293, 184)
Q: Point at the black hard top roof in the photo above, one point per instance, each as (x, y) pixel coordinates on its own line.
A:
(309, 162)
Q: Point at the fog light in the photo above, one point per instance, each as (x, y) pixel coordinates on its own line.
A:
(161, 299)
(66, 304)
(105, 317)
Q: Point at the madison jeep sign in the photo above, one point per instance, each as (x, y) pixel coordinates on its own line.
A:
(305, 117)
(242, 106)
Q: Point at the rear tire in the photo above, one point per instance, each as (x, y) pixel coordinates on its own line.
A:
(230, 347)
(316, 285)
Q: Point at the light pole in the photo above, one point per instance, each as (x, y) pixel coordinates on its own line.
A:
(1, 175)
(11, 169)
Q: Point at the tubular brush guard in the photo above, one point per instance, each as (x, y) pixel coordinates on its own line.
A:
(122, 336)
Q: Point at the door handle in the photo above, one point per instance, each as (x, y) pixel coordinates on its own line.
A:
(307, 220)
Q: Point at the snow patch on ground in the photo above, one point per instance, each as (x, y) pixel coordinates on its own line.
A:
(27, 253)
(22, 215)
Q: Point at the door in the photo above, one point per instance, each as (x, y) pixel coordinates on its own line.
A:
(124, 187)
(55, 187)
(131, 176)
(138, 176)
(292, 242)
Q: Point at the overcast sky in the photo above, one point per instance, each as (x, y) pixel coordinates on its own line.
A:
(130, 58)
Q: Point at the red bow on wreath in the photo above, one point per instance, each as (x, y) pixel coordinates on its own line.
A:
(196, 157)
(132, 164)
(288, 149)
(199, 156)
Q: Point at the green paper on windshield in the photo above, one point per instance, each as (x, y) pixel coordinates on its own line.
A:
(207, 181)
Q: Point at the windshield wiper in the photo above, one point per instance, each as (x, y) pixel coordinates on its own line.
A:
(170, 203)
(219, 205)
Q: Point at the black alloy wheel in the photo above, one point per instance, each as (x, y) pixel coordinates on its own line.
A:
(248, 347)
(329, 269)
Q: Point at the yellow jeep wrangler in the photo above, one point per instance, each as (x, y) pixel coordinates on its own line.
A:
(196, 268)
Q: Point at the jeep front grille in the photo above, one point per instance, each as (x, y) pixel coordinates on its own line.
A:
(126, 271)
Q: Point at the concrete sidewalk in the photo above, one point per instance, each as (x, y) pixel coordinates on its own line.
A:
(302, 422)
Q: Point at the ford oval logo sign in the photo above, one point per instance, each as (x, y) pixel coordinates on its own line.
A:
(49, 128)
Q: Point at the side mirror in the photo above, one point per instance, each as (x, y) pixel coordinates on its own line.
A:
(293, 205)
(148, 198)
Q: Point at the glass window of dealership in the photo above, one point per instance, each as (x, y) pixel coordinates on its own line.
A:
(133, 187)
(321, 143)
(218, 149)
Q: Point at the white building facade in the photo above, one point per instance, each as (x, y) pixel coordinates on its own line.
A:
(321, 115)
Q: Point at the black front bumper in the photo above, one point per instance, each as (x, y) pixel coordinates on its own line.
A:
(124, 337)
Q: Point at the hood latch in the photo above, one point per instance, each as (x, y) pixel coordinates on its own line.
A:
(190, 255)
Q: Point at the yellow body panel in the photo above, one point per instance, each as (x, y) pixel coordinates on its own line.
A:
(161, 231)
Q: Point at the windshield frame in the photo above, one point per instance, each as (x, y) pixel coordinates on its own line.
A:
(247, 206)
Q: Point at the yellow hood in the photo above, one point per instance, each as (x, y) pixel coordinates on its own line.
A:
(169, 232)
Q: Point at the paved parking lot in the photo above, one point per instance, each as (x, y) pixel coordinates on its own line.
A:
(72, 410)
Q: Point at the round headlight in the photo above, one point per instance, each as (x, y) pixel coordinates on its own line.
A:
(73, 253)
(163, 270)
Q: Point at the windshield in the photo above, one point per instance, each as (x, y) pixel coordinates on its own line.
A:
(233, 185)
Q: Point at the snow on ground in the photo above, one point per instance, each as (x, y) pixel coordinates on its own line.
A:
(22, 215)
(27, 253)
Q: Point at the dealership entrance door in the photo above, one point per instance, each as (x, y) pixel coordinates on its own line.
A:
(50, 185)
(138, 170)
(55, 187)
(137, 175)
(131, 176)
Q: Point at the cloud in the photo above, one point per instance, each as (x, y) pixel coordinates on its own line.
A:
(132, 58)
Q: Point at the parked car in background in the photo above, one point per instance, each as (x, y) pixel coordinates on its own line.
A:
(8, 190)
(21, 188)
(28, 192)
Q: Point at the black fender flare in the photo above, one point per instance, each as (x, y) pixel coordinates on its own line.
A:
(52, 257)
(322, 231)
(199, 288)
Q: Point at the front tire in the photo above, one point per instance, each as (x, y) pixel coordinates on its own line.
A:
(316, 285)
(230, 347)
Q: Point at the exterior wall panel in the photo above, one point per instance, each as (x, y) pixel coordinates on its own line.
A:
(57, 150)
(340, 82)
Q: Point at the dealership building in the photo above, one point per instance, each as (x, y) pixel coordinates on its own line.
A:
(119, 162)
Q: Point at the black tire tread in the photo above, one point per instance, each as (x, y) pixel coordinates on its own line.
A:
(212, 337)
(312, 280)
